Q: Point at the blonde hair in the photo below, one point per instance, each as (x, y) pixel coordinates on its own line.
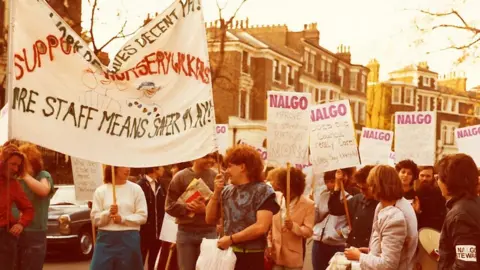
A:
(384, 183)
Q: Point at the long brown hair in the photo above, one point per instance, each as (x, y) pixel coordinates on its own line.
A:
(34, 158)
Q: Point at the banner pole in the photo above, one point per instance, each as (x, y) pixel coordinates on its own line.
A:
(10, 56)
(288, 190)
(113, 186)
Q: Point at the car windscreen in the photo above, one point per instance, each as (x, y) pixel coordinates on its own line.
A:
(65, 195)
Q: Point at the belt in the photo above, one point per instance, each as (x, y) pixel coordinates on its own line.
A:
(244, 250)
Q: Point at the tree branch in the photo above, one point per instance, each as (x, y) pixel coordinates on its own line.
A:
(465, 26)
(120, 34)
(91, 26)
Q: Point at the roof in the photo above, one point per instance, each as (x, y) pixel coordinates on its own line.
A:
(413, 68)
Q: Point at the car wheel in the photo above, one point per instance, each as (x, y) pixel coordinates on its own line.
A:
(85, 244)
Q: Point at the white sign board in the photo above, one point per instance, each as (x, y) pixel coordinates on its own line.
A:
(287, 127)
(415, 137)
(375, 146)
(4, 124)
(169, 229)
(262, 151)
(221, 132)
(391, 159)
(156, 110)
(87, 177)
(468, 142)
(332, 137)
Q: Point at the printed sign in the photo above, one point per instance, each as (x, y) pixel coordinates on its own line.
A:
(287, 127)
(332, 138)
(221, 132)
(156, 109)
(391, 159)
(415, 137)
(468, 142)
(375, 146)
(87, 177)
(261, 150)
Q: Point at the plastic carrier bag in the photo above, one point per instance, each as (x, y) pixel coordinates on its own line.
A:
(213, 258)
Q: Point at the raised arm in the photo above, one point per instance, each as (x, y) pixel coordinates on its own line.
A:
(213, 207)
(42, 187)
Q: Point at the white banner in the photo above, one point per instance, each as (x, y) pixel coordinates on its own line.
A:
(87, 177)
(157, 110)
(4, 124)
(221, 132)
(415, 137)
(468, 142)
(375, 146)
(287, 127)
(333, 143)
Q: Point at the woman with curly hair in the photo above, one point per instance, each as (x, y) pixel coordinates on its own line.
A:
(287, 234)
(38, 186)
(248, 207)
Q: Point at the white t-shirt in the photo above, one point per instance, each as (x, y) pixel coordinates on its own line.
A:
(132, 207)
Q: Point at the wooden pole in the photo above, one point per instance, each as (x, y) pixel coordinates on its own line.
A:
(113, 186)
(93, 226)
(288, 190)
(345, 205)
(219, 168)
(170, 253)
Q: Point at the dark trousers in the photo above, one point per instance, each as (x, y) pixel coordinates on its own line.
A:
(250, 261)
(8, 249)
(32, 247)
(150, 247)
(322, 253)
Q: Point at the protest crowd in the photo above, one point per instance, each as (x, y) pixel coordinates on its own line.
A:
(245, 209)
(203, 205)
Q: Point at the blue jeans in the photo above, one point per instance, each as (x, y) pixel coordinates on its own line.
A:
(32, 248)
(8, 249)
(188, 247)
(117, 250)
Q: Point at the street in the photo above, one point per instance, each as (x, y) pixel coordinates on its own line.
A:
(61, 262)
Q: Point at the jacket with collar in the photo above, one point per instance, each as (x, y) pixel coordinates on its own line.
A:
(155, 206)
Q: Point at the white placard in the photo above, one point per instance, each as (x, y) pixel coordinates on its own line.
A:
(415, 136)
(221, 132)
(87, 177)
(4, 124)
(169, 229)
(332, 138)
(262, 151)
(287, 127)
(156, 110)
(375, 146)
(468, 142)
(391, 159)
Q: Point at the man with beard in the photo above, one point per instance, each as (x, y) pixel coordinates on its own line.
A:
(429, 203)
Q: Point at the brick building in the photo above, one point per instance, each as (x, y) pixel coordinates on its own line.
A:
(417, 88)
(262, 58)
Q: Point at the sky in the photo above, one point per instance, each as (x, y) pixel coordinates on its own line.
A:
(381, 29)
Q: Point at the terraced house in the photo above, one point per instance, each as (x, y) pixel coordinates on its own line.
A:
(417, 88)
(257, 58)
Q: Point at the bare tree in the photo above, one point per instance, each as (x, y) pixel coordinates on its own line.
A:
(220, 37)
(451, 20)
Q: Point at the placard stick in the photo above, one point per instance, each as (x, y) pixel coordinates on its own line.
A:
(170, 253)
(288, 190)
(219, 168)
(113, 186)
(345, 205)
(93, 225)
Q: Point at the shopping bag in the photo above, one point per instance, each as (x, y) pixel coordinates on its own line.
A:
(213, 258)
